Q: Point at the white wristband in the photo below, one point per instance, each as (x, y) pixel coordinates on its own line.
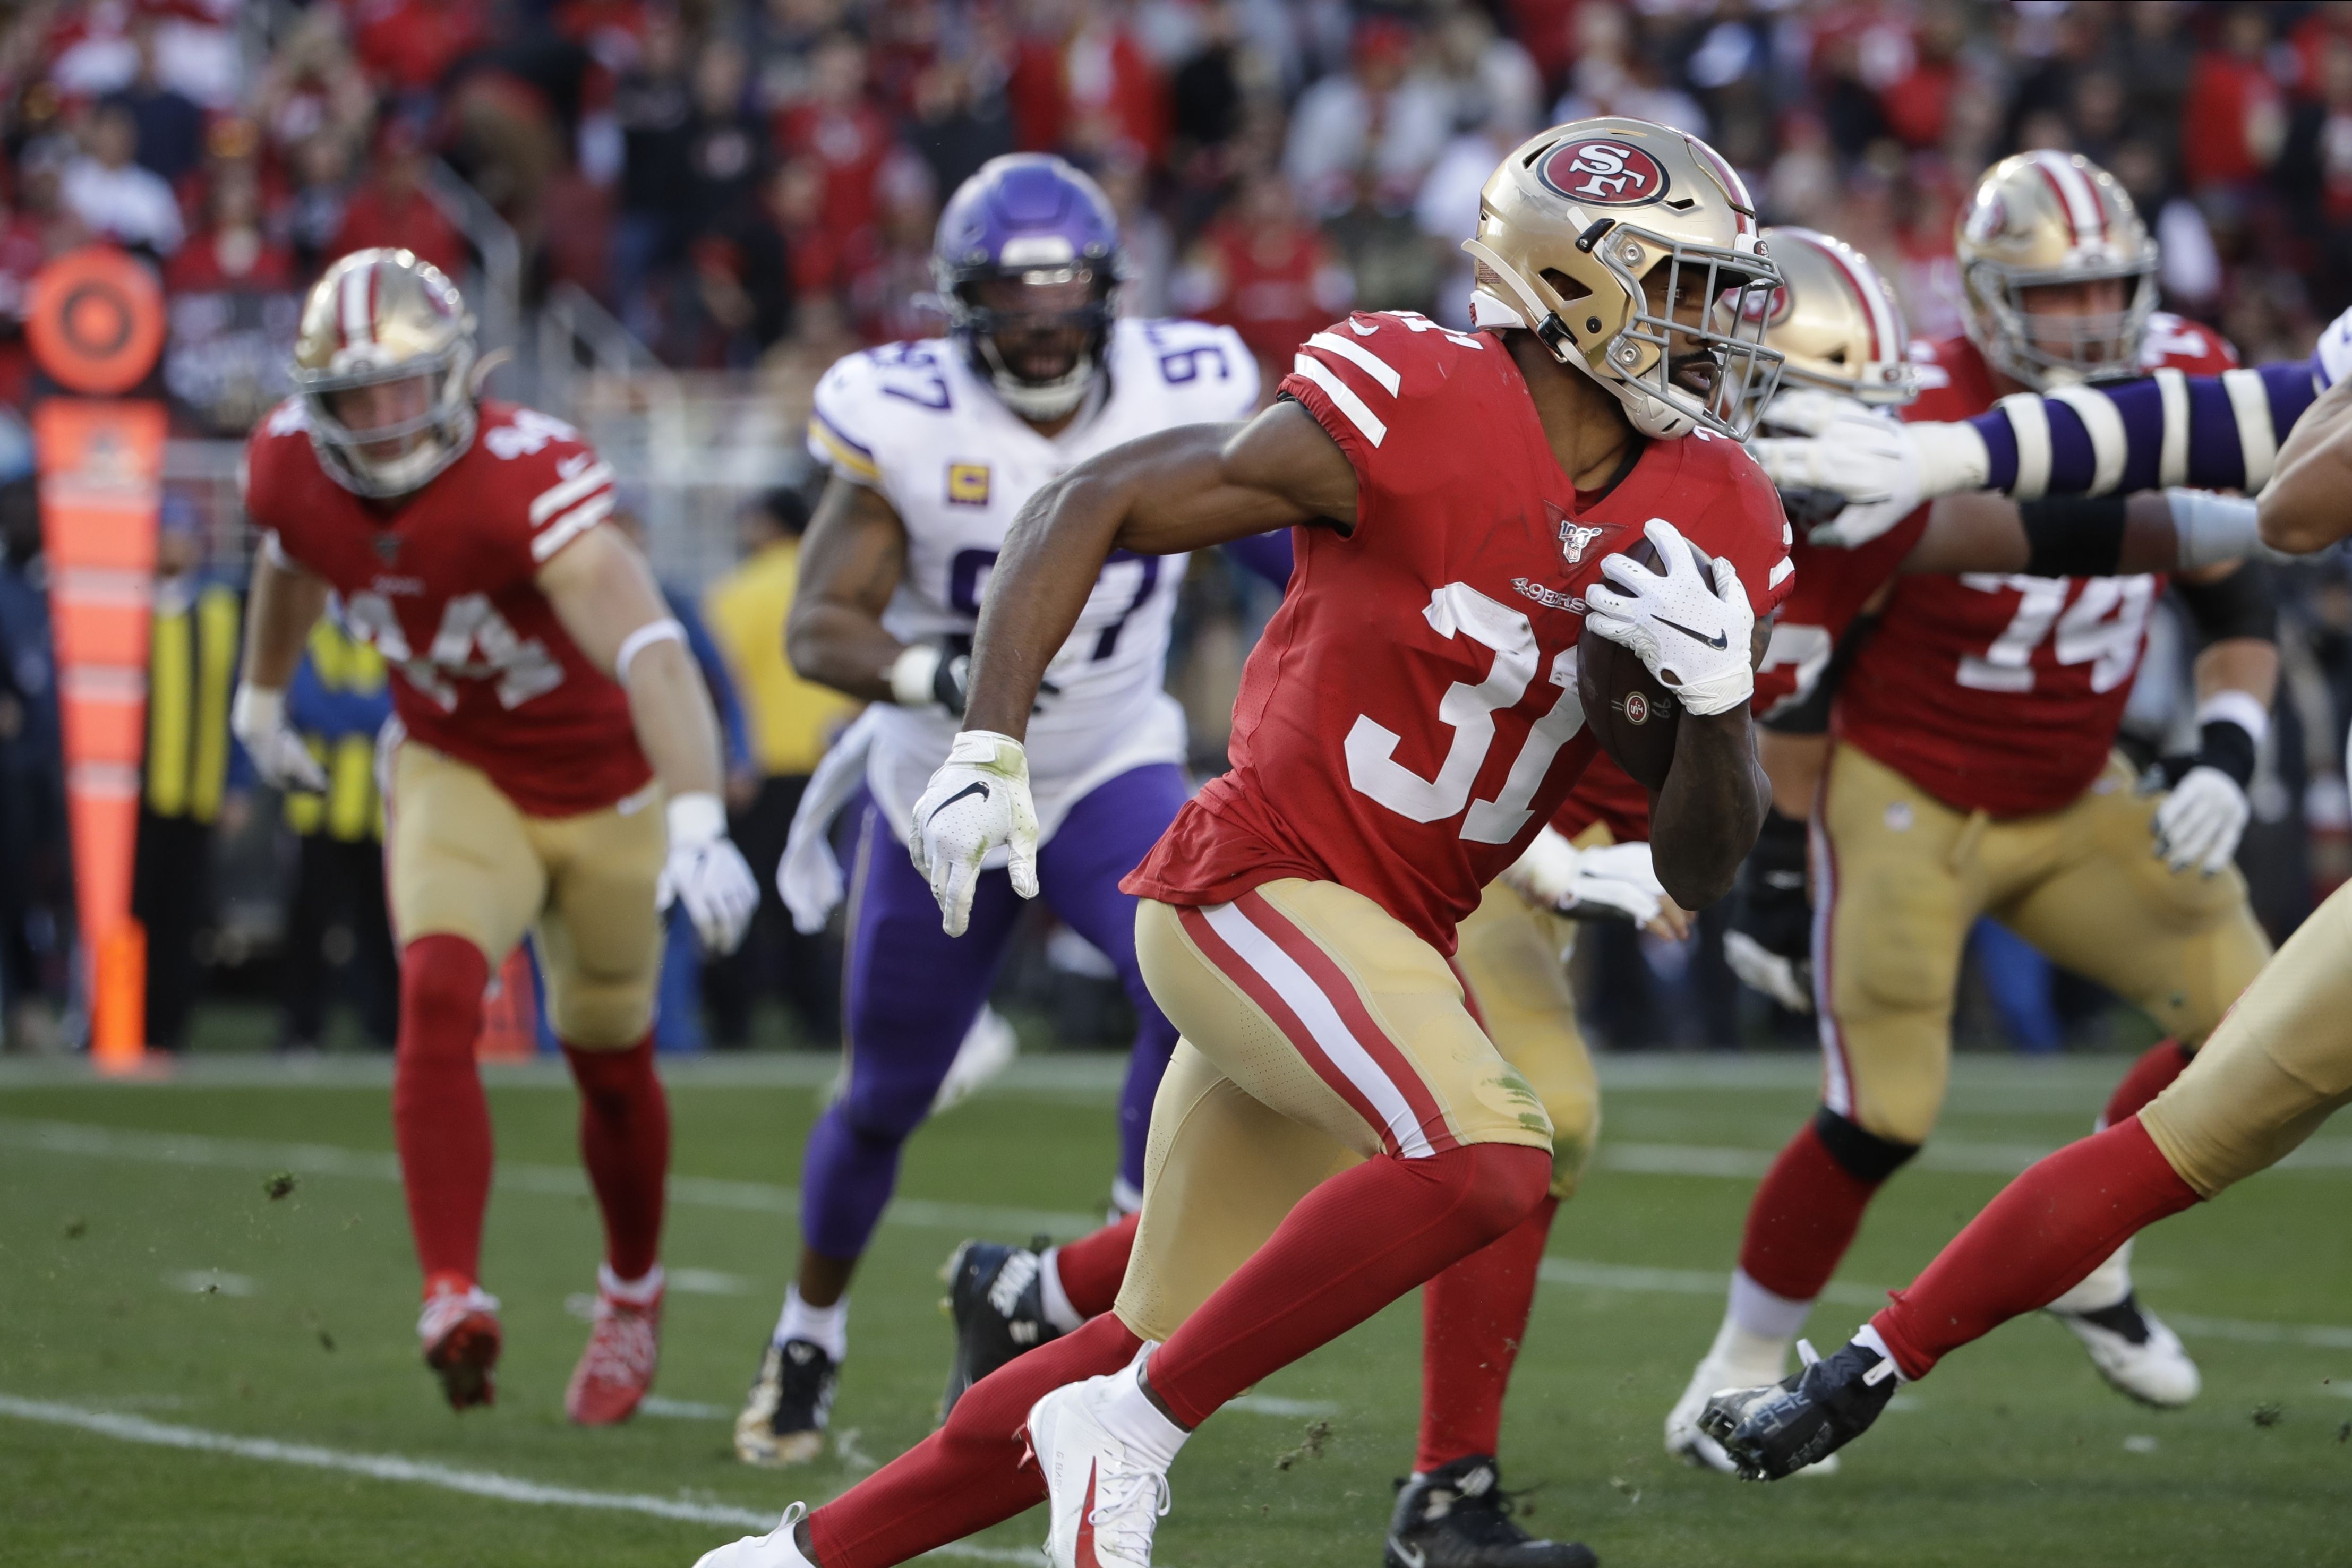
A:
(666, 630)
(694, 820)
(2210, 529)
(912, 673)
(2230, 706)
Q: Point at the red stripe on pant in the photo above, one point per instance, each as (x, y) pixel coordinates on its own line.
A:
(1337, 988)
(1261, 992)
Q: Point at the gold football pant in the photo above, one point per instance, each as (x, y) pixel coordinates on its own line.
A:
(466, 862)
(1899, 877)
(2277, 1067)
(1317, 1031)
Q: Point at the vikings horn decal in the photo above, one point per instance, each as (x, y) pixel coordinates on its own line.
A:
(1602, 173)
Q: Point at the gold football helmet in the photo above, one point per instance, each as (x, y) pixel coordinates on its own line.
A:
(375, 317)
(2042, 218)
(1835, 321)
(1580, 221)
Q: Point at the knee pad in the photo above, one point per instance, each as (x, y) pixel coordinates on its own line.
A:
(600, 1014)
(1864, 1155)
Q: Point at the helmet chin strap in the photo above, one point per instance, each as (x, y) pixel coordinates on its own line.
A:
(1651, 415)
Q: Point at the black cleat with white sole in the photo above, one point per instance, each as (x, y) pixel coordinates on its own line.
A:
(784, 1417)
(1459, 1516)
(997, 1297)
(1778, 1429)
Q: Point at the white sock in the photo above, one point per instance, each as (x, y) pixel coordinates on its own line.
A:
(1126, 1198)
(2104, 1287)
(1058, 1311)
(635, 1292)
(1759, 1326)
(1868, 1335)
(1128, 1415)
(827, 1328)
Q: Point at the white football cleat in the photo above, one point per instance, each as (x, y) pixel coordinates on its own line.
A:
(2136, 1353)
(777, 1549)
(1686, 1442)
(988, 1048)
(1104, 1500)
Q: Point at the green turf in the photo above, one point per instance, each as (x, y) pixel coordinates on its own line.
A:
(2014, 1453)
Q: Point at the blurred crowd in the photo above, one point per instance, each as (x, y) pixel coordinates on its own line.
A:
(751, 185)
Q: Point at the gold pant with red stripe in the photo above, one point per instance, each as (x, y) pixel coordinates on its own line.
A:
(1317, 1031)
(464, 860)
(2280, 1065)
(1900, 877)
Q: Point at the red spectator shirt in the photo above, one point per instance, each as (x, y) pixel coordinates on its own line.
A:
(1997, 692)
(408, 223)
(1410, 721)
(443, 584)
(850, 143)
(1269, 279)
(407, 44)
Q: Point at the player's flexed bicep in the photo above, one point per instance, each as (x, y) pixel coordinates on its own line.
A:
(1183, 489)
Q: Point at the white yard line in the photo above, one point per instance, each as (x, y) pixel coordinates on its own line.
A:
(1587, 1275)
(319, 1159)
(421, 1472)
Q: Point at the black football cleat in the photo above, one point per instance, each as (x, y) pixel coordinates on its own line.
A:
(1459, 1516)
(784, 1417)
(997, 1297)
(1778, 1429)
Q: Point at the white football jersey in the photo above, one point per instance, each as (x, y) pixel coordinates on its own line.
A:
(915, 421)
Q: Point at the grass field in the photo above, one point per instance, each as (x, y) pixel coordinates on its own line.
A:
(193, 1372)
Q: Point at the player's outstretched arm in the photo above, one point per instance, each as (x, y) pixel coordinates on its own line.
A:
(604, 594)
(2086, 536)
(1182, 489)
(2303, 510)
(282, 604)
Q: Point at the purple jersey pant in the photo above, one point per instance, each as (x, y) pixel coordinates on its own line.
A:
(911, 991)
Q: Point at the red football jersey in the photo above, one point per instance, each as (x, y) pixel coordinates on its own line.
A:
(1999, 692)
(1410, 719)
(1609, 795)
(442, 584)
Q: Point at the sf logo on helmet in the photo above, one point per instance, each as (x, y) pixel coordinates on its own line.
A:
(1603, 173)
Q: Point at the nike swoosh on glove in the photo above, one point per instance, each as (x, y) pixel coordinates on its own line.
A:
(707, 874)
(978, 800)
(1689, 632)
(2201, 821)
(1883, 467)
(257, 717)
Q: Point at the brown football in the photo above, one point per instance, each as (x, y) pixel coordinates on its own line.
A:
(1633, 713)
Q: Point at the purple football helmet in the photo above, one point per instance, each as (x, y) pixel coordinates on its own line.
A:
(1027, 260)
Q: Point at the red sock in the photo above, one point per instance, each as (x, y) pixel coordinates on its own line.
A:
(2159, 1065)
(1092, 1267)
(1803, 1218)
(972, 1473)
(439, 1119)
(624, 1143)
(1350, 1247)
(1474, 1317)
(2033, 1242)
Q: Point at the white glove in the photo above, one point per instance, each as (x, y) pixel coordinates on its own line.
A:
(1766, 971)
(978, 800)
(2201, 821)
(1616, 879)
(257, 717)
(1883, 467)
(707, 874)
(2331, 357)
(1690, 633)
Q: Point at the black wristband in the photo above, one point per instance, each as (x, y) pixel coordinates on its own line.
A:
(2074, 536)
(2224, 744)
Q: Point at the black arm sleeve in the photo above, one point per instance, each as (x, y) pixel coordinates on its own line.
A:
(2074, 536)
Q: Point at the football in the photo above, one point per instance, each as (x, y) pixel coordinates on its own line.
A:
(1632, 712)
